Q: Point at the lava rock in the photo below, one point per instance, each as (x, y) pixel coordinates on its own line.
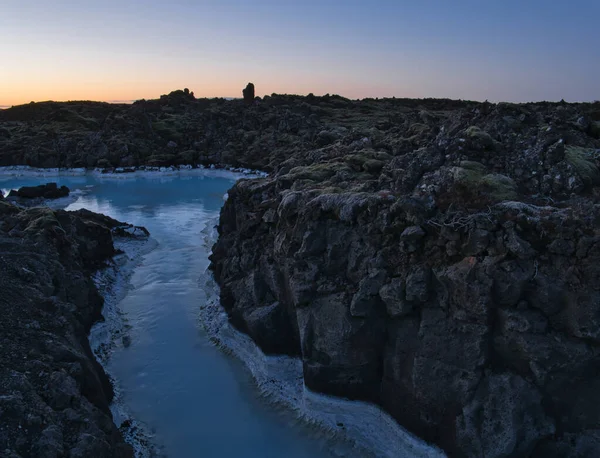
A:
(45, 191)
(505, 418)
(55, 395)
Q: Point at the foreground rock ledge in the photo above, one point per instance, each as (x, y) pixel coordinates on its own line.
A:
(54, 396)
(447, 270)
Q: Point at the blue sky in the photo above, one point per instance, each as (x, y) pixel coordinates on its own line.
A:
(115, 50)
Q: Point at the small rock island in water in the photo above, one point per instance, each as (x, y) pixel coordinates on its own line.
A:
(438, 258)
(44, 191)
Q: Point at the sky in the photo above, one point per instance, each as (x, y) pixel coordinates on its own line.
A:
(497, 50)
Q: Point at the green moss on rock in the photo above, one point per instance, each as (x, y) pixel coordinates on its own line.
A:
(167, 129)
(43, 218)
(367, 160)
(480, 136)
(418, 129)
(473, 166)
(473, 178)
(581, 160)
(499, 187)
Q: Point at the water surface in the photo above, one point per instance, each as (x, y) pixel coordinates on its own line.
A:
(197, 401)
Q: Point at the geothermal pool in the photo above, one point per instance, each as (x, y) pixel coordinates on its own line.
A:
(191, 398)
(182, 395)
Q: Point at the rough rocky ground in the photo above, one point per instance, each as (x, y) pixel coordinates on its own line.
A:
(436, 257)
(54, 396)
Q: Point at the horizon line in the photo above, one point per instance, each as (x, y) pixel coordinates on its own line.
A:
(131, 101)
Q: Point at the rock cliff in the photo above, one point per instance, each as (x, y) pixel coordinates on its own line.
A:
(54, 396)
(444, 267)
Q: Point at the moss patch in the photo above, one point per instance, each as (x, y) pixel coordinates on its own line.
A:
(480, 136)
(474, 185)
(367, 160)
(499, 187)
(581, 160)
(418, 129)
(167, 129)
(43, 218)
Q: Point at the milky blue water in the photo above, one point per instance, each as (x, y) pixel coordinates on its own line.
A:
(197, 401)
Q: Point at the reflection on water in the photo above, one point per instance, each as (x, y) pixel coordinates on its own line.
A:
(198, 401)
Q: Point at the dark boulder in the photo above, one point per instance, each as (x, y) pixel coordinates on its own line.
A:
(45, 191)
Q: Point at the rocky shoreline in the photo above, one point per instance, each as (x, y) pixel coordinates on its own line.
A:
(349, 428)
(435, 257)
(55, 396)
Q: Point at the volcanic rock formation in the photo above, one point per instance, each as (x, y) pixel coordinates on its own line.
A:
(44, 191)
(54, 396)
(248, 93)
(444, 266)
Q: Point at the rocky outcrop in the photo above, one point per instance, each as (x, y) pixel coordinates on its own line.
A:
(54, 396)
(248, 93)
(43, 191)
(447, 272)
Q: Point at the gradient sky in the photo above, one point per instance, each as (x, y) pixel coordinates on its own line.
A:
(122, 50)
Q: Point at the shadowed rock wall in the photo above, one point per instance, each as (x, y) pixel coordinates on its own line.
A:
(448, 272)
(54, 396)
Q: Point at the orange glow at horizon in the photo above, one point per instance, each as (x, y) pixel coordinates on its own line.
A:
(126, 91)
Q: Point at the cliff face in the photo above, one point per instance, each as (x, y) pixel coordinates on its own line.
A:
(54, 396)
(444, 267)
